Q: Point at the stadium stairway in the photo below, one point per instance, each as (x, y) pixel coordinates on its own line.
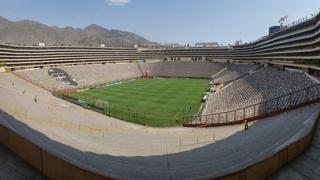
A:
(305, 167)
(140, 68)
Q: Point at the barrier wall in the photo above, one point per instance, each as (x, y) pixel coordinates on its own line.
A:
(268, 166)
(55, 167)
(48, 164)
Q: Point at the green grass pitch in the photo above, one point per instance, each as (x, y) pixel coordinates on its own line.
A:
(152, 102)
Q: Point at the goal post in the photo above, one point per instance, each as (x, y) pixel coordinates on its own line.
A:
(102, 104)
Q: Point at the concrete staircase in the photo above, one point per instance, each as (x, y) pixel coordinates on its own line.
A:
(140, 68)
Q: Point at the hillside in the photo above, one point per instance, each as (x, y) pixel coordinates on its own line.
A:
(27, 32)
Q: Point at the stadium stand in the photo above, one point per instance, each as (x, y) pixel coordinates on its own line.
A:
(233, 72)
(297, 44)
(263, 85)
(227, 155)
(82, 75)
(200, 69)
(192, 69)
(43, 132)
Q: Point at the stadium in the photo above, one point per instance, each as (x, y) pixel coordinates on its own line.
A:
(77, 112)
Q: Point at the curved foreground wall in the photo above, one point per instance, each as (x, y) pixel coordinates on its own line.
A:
(50, 165)
(55, 167)
(268, 166)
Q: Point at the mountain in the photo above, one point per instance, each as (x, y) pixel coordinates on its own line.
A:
(3, 23)
(27, 32)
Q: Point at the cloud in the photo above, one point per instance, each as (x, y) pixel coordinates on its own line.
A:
(117, 2)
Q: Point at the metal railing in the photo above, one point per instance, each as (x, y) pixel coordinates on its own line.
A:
(288, 101)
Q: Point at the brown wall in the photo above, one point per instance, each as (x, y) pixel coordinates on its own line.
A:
(270, 165)
(50, 165)
(56, 168)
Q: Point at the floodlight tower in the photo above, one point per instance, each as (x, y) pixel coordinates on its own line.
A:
(282, 20)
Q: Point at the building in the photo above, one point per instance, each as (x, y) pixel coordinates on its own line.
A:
(41, 44)
(171, 45)
(273, 29)
(206, 45)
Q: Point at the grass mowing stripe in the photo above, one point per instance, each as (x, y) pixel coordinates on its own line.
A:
(156, 102)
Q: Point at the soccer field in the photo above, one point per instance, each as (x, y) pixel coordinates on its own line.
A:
(152, 102)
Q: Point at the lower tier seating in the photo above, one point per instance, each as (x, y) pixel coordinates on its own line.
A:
(263, 85)
(61, 77)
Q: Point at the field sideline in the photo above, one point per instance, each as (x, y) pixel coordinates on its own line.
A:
(153, 102)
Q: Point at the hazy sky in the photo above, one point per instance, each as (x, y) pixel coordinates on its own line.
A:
(166, 21)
